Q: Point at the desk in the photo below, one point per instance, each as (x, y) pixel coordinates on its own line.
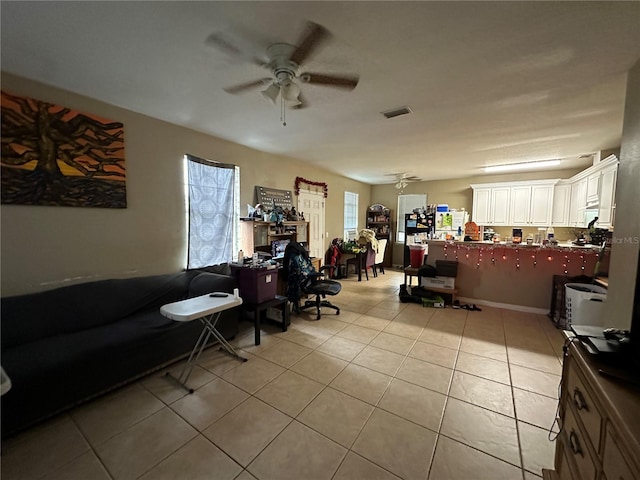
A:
(261, 308)
(207, 309)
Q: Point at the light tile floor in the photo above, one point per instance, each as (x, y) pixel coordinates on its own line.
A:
(385, 390)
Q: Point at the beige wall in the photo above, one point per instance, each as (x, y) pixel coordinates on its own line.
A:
(46, 247)
(624, 251)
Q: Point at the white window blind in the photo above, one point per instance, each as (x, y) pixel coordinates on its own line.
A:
(406, 204)
(213, 211)
(350, 211)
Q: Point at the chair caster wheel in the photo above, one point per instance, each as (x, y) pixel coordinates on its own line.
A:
(337, 312)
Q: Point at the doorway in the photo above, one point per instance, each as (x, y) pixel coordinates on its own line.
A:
(312, 205)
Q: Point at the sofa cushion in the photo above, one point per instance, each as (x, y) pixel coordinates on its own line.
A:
(28, 318)
(204, 283)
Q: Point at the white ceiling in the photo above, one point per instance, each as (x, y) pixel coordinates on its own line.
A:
(488, 82)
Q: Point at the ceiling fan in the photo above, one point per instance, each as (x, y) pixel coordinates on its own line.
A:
(403, 179)
(284, 62)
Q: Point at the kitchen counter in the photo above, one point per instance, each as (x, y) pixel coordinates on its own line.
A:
(515, 245)
(520, 275)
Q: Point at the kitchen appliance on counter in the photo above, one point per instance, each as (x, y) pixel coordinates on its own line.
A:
(488, 234)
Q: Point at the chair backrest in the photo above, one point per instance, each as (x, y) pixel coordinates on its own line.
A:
(296, 268)
(382, 246)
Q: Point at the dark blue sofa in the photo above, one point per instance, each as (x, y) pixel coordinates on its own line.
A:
(61, 347)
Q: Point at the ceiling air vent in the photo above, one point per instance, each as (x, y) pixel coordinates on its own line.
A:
(396, 112)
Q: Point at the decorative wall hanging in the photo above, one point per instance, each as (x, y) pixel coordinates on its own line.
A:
(272, 197)
(53, 155)
(299, 180)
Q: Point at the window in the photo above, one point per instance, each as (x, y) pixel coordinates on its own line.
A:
(350, 213)
(213, 210)
(406, 204)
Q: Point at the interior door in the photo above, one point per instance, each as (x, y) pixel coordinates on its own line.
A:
(311, 204)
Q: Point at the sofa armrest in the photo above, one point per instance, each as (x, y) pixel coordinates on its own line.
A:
(211, 282)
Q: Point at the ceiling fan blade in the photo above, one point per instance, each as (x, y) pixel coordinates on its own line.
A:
(347, 81)
(246, 86)
(314, 35)
(218, 41)
(226, 46)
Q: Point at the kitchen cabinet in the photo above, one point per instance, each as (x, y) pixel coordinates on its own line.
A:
(531, 205)
(481, 205)
(499, 208)
(491, 205)
(513, 203)
(606, 206)
(520, 204)
(593, 189)
(578, 203)
(561, 204)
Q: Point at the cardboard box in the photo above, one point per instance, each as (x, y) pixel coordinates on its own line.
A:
(436, 302)
(438, 282)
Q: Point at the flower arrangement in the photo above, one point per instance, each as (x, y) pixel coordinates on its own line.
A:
(353, 247)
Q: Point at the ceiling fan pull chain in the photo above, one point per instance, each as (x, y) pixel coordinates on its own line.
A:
(283, 112)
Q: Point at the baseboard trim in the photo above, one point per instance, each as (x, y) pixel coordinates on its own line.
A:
(506, 306)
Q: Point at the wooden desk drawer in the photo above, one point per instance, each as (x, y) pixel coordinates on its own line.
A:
(576, 448)
(584, 406)
(614, 463)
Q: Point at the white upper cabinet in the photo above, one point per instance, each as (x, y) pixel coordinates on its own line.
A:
(500, 206)
(481, 205)
(490, 205)
(593, 189)
(561, 203)
(513, 203)
(607, 205)
(520, 205)
(578, 203)
(541, 204)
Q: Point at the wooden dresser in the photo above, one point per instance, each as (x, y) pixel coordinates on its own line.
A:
(600, 421)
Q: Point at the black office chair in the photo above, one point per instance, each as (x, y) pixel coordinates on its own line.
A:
(302, 278)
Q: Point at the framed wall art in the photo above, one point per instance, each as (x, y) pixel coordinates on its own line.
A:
(57, 156)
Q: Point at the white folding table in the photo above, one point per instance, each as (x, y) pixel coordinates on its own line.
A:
(207, 309)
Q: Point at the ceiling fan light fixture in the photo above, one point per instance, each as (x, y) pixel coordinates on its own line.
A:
(271, 93)
(290, 92)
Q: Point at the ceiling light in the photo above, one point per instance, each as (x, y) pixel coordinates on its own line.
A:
(522, 166)
(290, 92)
(271, 93)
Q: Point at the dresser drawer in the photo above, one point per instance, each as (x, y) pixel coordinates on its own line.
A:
(582, 400)
(614, 463)
(576, 449)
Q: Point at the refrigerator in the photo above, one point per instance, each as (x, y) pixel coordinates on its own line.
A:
(450, 223)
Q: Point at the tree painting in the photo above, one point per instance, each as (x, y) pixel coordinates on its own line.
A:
(52, 155)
